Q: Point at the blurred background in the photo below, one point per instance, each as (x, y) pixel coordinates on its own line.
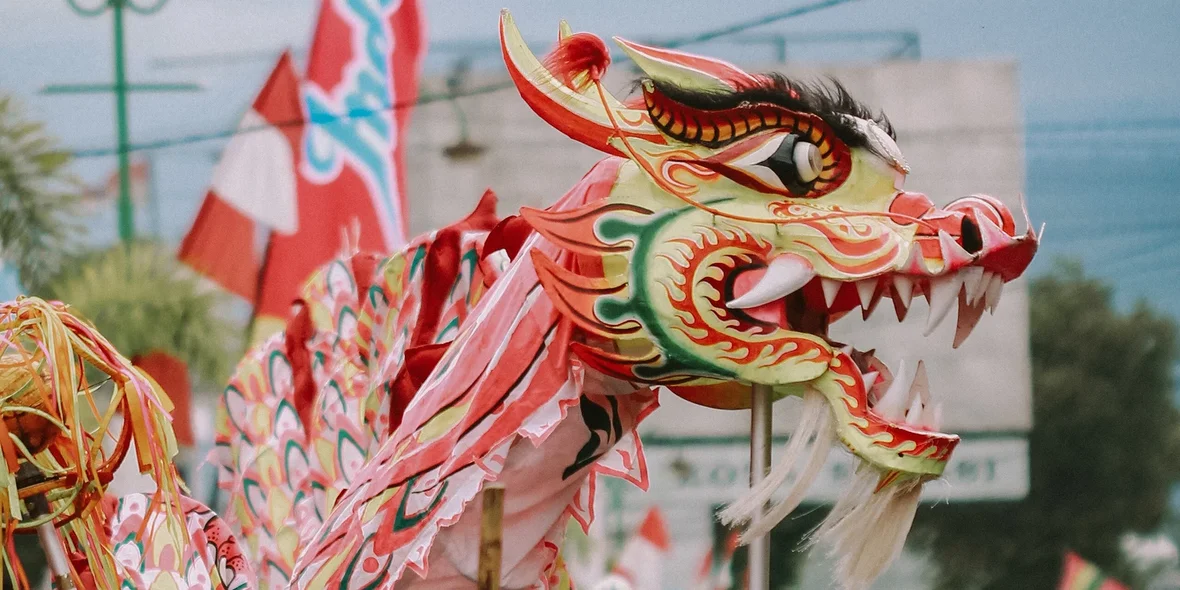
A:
(1066, 400)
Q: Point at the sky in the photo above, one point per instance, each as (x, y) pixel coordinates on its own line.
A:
(1108, 193)
(1080, 59)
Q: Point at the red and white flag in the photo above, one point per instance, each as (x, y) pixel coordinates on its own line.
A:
(362, 79)
(140, 175)
(253, 189)
(714, 572)
(344, 168)
(642, 560)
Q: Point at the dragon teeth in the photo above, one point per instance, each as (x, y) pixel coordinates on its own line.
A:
(831, 288)
(973, 282)
(921, 410)
(911, 405)
(869, 379)
(914, 414)
(991, 295)
(892, 404)
(969, 315)
(952, 253)
(905, 289)
(943, 293)
(865, 289)
(920, 386)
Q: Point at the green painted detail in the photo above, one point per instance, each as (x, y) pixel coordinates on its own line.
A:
(293, 449)
(346, 580)
(231, 390)
(285, 409)
(377, 297)
(452, 326)
(344, 312)
(317, 487)
(471, 259)
(402, 521)
(419, 255)
(278, 356)
(335, 388)
(246, 485)
(340, 448)
(339, 265)
(644, 232)
(275, 569)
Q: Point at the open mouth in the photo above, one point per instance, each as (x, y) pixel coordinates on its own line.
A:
(887, 418)
(965, 273)
(788, 294)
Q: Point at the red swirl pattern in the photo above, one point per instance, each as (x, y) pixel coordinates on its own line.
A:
(710, 258)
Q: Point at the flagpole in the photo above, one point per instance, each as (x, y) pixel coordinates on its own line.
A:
(120, 88)
(758, 565)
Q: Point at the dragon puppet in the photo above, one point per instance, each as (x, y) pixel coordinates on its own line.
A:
(734, 218)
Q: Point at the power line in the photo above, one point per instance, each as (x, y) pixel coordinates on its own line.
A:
(430, 98)
(1034, 133)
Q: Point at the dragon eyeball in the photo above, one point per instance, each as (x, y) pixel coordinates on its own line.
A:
(808, 162)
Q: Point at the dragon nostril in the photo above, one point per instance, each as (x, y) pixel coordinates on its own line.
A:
(969, 235)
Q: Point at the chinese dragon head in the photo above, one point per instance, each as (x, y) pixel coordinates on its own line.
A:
(734, 218)
(748, 213)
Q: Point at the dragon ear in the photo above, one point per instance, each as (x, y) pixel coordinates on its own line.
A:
(687, 70)
(580, 113)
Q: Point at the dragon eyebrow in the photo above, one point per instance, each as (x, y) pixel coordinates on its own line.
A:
(830, 101)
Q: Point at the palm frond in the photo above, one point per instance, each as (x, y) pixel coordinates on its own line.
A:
(38, 197)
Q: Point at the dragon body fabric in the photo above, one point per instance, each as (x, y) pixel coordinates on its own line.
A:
(734, 217)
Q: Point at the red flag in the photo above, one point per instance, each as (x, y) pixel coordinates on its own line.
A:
(1079, 574)
(362, 75)
(641, 561)
(140, 175)
(714, 573)
(253, 188)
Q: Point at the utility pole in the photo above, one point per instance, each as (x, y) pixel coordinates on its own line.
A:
(120, 89)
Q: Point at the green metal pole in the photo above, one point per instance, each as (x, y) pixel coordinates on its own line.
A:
(126, 210)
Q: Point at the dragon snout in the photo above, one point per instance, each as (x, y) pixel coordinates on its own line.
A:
(977, 230)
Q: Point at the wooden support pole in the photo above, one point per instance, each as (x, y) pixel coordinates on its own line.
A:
(491, 533)
(760, 436)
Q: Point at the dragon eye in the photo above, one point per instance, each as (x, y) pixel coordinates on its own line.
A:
(778, 163)
(796, 163)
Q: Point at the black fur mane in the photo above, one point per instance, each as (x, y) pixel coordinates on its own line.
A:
(829, 101)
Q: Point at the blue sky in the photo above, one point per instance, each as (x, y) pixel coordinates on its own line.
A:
(1083, 59)
(1109, 196)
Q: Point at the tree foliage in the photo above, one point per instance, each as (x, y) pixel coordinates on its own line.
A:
(142, 300)
(1103, 453)
(37, 196)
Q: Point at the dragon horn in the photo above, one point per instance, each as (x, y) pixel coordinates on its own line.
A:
(687, 70)
(580, 114)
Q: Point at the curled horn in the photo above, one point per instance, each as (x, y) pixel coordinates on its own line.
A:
(580, 114)
(687, 70)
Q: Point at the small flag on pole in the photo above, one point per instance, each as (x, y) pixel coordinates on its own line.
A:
(108, 192)
(642, 560)
(1079, 574)
(714, 572)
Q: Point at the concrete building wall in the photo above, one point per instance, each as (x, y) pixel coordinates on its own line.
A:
(960, 128)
